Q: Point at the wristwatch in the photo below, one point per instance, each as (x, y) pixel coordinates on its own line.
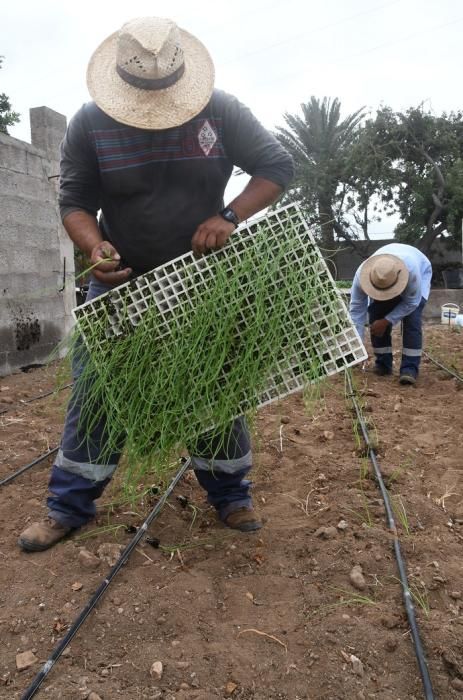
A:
(229, 215)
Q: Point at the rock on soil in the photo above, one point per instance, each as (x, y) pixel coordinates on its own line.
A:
(326, 533)
(110, 552)
(357, 578)
(25, 659)
(156, 670)
(230, 688)
(88, 560)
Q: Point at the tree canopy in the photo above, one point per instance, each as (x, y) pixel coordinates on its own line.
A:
(352, 171)
(7, 116)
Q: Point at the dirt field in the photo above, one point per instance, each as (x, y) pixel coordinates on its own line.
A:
(272, 615)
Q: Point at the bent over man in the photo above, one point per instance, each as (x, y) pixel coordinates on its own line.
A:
(154, 152)
(393, 285)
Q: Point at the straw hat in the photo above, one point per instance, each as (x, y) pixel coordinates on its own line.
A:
(383, 276)
(151, 74)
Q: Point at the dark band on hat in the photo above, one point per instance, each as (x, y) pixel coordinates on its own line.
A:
(151, 83)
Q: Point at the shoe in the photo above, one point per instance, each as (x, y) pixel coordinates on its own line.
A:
(244, 519)
(382, 371)
(407, 379)
(40, 536)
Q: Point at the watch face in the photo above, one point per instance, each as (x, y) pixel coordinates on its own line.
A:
(229, 215)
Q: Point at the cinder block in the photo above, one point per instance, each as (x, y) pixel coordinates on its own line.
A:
(13, 155)
(14, 184)
(37, 166)
(24, 210)
(47, 129)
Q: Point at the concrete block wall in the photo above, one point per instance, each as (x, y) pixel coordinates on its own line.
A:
(36, 255)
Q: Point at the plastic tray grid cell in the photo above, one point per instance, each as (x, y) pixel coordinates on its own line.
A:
(325, 331)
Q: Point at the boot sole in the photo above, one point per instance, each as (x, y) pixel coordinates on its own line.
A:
(30, 546)
(27, 546)
(404, 380)
(246, 527)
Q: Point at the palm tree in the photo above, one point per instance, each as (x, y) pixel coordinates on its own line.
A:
(319, 143)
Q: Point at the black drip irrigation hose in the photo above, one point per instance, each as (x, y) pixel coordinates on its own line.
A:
(446, 369)
(48, 393)
(36, 398)
(20, 471)
(407, 596)
(85, 612)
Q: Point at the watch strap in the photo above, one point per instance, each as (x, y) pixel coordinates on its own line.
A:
(229, 215)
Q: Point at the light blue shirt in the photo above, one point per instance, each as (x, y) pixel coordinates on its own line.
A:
(418, 287)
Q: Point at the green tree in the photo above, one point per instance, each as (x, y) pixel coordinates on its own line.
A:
(7, 116)
(321, 144)
(426, 152)
(368, 183)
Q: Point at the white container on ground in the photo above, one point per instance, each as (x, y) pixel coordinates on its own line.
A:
(449, 313)
(459, 320)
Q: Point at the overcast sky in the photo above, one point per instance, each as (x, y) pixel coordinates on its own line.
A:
(271, 54)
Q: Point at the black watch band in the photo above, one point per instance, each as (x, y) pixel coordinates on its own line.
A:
(229, 215)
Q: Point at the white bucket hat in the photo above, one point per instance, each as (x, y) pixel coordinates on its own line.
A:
(151, 74)
(383, 276)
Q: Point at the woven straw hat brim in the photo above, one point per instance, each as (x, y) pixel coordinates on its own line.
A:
(152, 109)
(383, 294)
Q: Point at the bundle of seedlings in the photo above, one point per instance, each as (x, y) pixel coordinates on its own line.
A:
(175, 355)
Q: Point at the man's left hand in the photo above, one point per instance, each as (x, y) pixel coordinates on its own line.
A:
(378, 328)
(212, 234)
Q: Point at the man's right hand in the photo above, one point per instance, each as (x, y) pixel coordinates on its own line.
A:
(107, 260)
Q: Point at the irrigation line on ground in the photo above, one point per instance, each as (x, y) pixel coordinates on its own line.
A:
(78, 622)
(446, 369)
(20, 471)
(48, 393)
(36, 398)
(407, 596)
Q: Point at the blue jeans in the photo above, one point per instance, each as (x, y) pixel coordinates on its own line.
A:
(80, 472)
(412, 337)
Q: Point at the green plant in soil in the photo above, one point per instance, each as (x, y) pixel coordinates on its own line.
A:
(419, 594)
(402, 468)
(245, 326)
(401, 514)
(363, 515)
(347, 598)
(114, 530)
(420, 597)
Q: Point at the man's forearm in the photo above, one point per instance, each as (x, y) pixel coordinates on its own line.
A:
(83, 230)
(258, 194)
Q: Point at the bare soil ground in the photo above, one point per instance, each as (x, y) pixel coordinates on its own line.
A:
(267, 616)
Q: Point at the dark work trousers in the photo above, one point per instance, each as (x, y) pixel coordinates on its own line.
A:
(80, 475)
(412, 337)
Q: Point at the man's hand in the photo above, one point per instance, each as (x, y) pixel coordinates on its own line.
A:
(107, 260)
(378, 328)
(212, 234)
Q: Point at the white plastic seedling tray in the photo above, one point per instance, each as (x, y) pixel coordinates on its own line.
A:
(331, 338)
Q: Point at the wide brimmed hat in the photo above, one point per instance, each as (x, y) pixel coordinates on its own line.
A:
(383, 276)
(151, 74)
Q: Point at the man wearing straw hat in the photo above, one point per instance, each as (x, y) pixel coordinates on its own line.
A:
(393, 285)
(154, 152)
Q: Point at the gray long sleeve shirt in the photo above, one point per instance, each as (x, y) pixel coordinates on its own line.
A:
(155, 187)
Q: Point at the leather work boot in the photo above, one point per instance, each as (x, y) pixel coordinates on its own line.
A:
(244, 519)
(407, 379)
(40, 536)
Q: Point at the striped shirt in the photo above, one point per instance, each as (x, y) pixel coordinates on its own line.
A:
(154, 188)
